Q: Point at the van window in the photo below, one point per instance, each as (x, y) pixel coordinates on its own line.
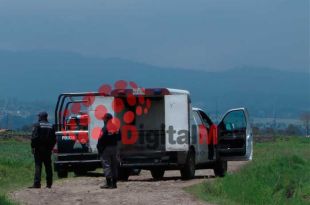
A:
(235, 120)
(197, 118)
(77, 123)
(205, 119)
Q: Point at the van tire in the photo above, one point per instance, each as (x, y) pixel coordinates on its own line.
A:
(220, 168)
(80, 172)
(135, 172)
(123, 174)
(188, 171)
(62, 173)
(158, 173)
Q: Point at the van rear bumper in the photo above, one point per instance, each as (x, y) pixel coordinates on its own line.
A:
(142, 160)
(76, 161)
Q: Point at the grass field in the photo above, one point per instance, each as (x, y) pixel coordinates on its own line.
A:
(278, 174)
(16, 167)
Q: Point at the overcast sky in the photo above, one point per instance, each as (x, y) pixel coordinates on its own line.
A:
(193, 34)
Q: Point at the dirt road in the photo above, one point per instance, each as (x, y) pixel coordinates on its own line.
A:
(138, 190)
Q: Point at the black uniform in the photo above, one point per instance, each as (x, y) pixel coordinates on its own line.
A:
(42, 143)
(108, 150)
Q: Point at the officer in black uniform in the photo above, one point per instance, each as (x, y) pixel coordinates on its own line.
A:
(108, 150)
(42, 143)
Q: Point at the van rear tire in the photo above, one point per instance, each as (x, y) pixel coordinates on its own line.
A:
(62, 173)
(188, 171)
(123, 174)
(80, 172)
(158, 173)
(135, 172)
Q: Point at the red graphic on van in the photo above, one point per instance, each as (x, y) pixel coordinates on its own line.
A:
(137, 101)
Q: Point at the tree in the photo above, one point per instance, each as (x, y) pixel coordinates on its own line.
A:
(305, 118)
(292, 130)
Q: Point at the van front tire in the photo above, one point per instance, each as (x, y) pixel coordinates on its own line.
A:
(220, 168)
(62, 174)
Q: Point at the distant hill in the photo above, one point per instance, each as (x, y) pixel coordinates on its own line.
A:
(42, 75)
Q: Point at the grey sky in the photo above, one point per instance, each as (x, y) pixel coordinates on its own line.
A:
(195, 34)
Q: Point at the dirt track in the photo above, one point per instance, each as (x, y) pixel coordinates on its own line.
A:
(138, 190)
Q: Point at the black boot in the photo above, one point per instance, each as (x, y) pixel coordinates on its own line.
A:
(114, 183)
(35, 186)
(108, 184)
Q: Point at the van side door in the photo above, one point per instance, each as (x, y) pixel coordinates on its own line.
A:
(201, 139)
(235, 139)
(211, 134)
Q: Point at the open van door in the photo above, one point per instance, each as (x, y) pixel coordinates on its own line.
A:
(235, 139)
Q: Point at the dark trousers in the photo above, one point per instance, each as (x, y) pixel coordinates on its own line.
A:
(110, 162)
(39, 159)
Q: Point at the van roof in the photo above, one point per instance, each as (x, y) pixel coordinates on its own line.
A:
(197, 109)
(115, 92)
(178, 91)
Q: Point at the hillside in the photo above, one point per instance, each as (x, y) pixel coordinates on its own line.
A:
(41, 75)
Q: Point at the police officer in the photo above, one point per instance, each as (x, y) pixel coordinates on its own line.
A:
(108, 150)
(42, 142)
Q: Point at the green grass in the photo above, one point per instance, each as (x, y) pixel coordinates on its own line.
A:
(16, 167)
(15, 134)
(278, 174)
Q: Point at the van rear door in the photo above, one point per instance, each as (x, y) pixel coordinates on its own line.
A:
(177, 122)
(235, 139)
(101, 105)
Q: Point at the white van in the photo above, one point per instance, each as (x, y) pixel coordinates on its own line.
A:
(160, 131)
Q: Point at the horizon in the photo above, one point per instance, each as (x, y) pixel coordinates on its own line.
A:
(47, 52)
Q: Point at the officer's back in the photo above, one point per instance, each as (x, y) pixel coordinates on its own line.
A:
(43, 137)
(42, 143)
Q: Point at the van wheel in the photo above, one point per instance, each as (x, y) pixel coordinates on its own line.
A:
(62, 174)
(188, 171)
(136, 172)
(220, 168)
(123, 174)
(80, 172)
(157, 173)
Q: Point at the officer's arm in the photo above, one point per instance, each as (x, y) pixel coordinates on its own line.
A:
(53, 138)
(35, 137)
(100, 142)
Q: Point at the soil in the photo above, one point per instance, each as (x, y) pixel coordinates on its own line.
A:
(140, 189)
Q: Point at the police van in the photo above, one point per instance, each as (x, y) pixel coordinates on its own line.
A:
(160, 131)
